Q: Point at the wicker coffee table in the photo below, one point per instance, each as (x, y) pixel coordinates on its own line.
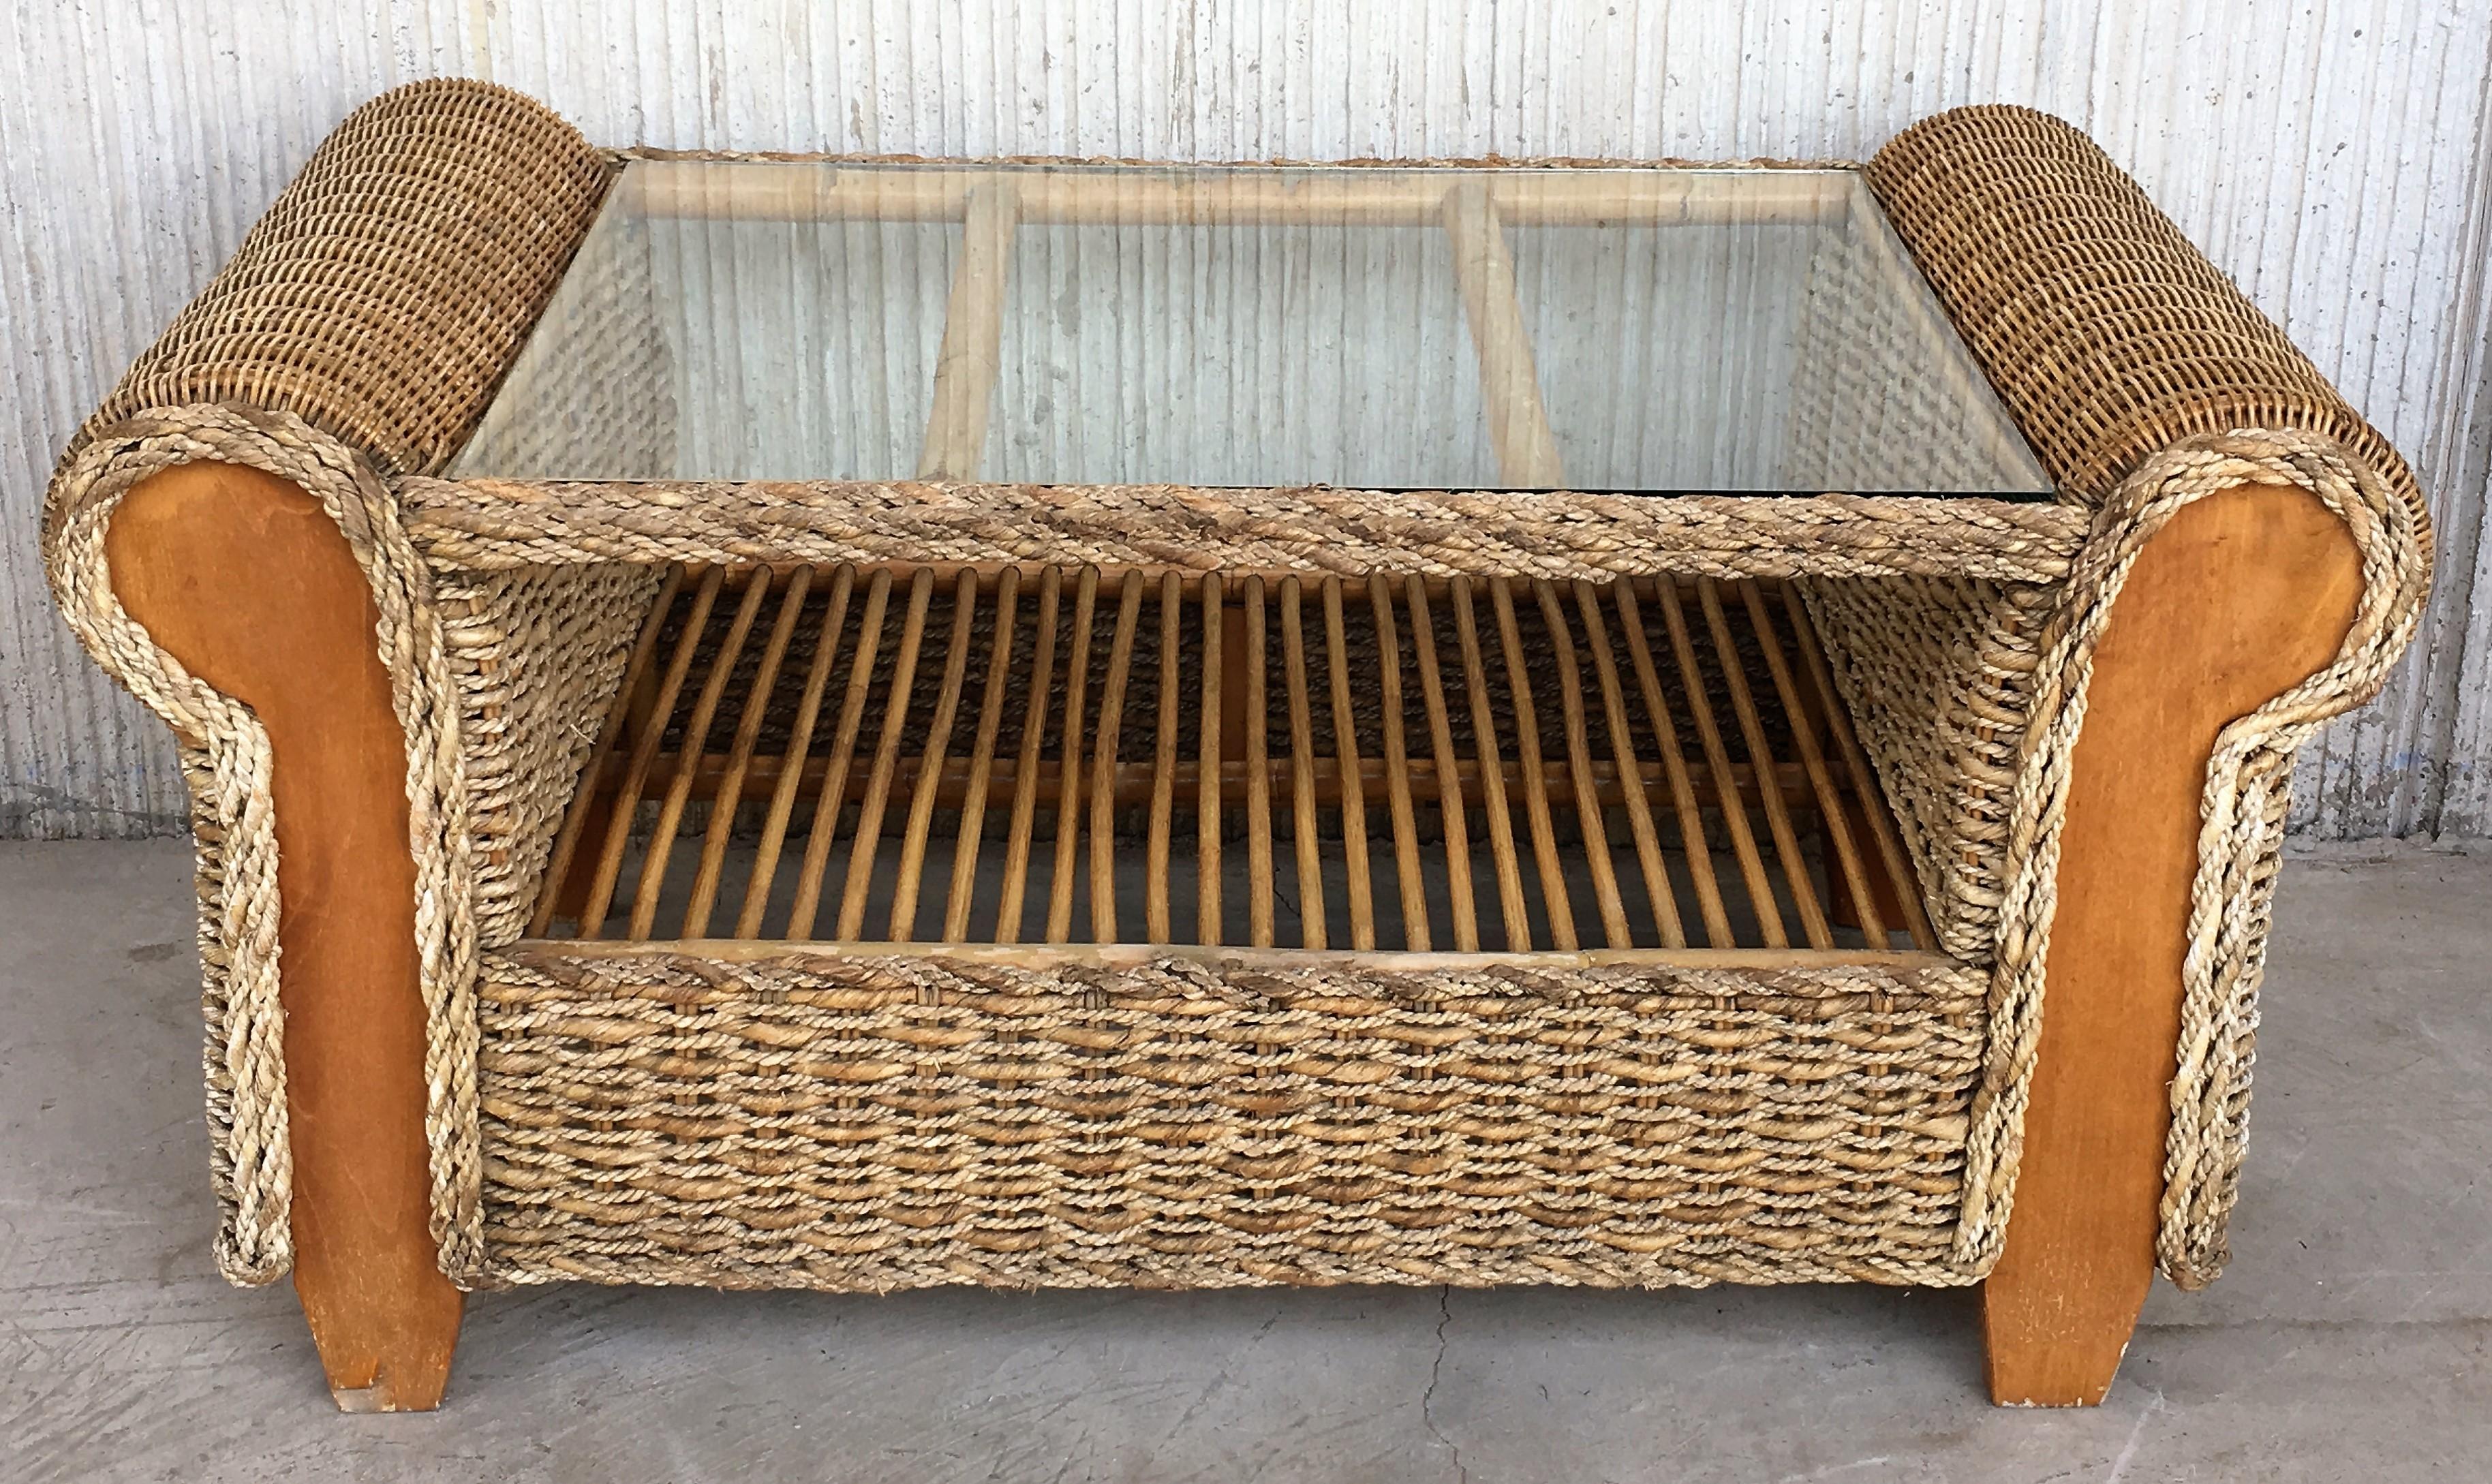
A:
(850, 724)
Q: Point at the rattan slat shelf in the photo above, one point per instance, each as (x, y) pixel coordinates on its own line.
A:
(1078, 724)
(1732, 808)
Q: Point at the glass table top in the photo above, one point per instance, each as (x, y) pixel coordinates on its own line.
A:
(1639, 330)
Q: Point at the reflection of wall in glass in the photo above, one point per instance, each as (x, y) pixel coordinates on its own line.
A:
(1604, 329)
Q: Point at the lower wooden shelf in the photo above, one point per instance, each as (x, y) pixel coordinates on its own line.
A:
(1001, 757)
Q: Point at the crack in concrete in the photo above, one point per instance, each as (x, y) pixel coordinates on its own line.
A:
(79, 817)
(1435, 1368)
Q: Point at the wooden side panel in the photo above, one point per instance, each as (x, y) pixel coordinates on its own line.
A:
(244, 579)
(2242, 596)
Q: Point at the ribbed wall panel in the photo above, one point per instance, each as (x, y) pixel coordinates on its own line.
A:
(2332, 158)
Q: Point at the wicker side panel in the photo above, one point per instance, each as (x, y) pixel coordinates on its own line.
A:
(883, 1122)
(1938, 676)
(536, 655)
(2106, 332)
(382, 295)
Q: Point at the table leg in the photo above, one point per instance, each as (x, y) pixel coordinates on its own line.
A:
(2240, 597)
(246, 581)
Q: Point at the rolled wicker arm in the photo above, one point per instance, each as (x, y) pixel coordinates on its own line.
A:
(356, 335)
(2147, 382)
(2105, 330)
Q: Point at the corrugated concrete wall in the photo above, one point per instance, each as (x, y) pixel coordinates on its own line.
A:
(2330, 154)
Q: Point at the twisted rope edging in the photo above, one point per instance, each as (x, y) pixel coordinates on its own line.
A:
(246, 1021)
(495, 524)
(2241, 815)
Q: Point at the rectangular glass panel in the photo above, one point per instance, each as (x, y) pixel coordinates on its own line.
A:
(1618, 329)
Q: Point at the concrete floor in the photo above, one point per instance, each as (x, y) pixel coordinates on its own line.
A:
(2352, 1339)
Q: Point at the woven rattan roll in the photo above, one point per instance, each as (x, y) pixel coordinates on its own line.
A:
(386, 290)
(2106, 332)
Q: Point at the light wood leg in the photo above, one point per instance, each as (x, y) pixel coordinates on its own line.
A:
(2240, 597)
(247, 582)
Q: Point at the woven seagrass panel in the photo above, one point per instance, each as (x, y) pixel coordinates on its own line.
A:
(861, 1122)
(1936, 675)
(536, 655)
(609, 401)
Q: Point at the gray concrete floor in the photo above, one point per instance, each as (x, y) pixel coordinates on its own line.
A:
(2352, 1339)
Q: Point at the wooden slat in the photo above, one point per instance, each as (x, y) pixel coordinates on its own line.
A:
(800, 740)
(1409, 879)
(868, 840)
(1717, 760)
(922, 793)
(585, 803)
(644, 752)
(826, 807)
(670, 810)
(1536, 788)
(982, 761)
(1831, 802)
(1033, 735)
(1518, 420)
(1493, 799)
(966, 364)
(1207, 804)
(1103, 775)
(1744, 705)
(1906, 884)
(1353, 786)
(1312, 927)
(1579, 765)
(1258, 777)
(1449, 792)
(1639, 809)
(1091, 785)
(1068, 805)
(1673, 761)
(1168, 704)
(740, 759)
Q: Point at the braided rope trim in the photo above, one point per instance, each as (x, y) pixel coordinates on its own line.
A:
(2241, 812)
(486, 524)
(239, 906)
(226, 761)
